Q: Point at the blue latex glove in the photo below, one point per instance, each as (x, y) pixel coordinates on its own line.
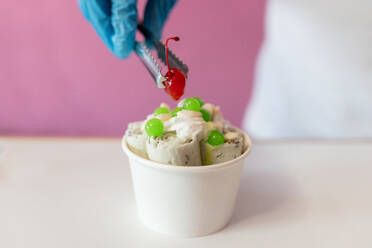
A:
(115, 21)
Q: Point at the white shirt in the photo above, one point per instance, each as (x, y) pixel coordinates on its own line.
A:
(314, 72)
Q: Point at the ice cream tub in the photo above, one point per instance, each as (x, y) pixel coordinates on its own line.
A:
(185, 201)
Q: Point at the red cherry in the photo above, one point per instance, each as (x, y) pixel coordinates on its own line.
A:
(175, 84)
(176, 80)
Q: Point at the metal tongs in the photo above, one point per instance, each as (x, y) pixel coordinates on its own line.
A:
(151, 63)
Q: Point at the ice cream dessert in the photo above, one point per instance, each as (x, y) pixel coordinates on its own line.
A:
(192, 134)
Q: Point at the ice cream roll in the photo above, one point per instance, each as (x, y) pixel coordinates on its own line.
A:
(231, 149)
(169, 149)
(136, 139)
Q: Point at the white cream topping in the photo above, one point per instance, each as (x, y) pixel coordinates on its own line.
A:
(164, 105)
(189, 114)
(208, 107)
(180, 103)
(164, 117)
(186, 128)
(189, 124)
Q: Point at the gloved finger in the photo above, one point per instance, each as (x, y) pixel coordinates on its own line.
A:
(115, 21)
(84, 9)
(156, 13)
(124, 23)
(98, 13)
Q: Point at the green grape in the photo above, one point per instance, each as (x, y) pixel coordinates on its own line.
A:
(154, 127)
(200, 101)
(175, 111)
(206, 115)
(191, 104)
(161, 110)
(215, 138)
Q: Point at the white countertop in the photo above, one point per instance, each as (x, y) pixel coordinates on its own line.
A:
(67, 193)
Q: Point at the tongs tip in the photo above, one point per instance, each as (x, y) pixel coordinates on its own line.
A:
(151, 63)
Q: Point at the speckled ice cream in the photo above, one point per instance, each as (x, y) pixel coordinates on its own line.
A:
(184, 138)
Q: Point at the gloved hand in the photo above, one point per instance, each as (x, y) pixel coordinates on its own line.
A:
(115, 21)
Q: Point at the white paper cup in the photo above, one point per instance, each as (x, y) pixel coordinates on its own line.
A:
(185, 201)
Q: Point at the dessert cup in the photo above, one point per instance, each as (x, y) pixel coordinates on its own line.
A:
(185, 201)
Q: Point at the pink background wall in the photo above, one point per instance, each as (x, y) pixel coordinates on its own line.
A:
(57, 78)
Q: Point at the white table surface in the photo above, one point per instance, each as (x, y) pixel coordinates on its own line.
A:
(77, 193)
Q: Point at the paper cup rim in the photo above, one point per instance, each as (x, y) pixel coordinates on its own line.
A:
(195, 168)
